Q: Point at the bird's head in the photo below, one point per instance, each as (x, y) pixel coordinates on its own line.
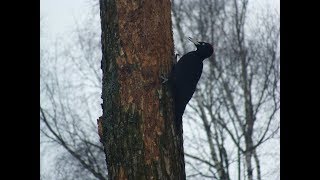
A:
(204, 49)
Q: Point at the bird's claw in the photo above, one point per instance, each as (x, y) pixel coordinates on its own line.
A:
(164, 79)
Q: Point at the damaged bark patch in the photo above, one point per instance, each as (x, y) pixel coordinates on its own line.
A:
(100, 129)
(144, 48)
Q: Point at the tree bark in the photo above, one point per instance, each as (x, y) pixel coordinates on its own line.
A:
(136, 127)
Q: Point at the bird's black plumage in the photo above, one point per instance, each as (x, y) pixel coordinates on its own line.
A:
(185, 75)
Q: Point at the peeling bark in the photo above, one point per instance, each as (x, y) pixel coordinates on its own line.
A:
(136, 127)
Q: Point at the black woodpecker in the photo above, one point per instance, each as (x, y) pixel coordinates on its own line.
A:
(185, 75)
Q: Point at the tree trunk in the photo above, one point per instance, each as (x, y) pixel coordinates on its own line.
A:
(136, 128)
(256, 158)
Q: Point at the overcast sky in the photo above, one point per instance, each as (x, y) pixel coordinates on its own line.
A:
(59, 15)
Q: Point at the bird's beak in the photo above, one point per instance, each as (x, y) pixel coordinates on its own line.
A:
(195, 42)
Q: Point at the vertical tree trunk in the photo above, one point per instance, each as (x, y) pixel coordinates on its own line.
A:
(136, 127)
(256, 158)
(239, 164)
(248, 157)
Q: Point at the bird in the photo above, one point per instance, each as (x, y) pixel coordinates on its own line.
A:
(185, 76)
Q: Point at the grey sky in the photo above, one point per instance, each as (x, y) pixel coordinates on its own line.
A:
(59, 15)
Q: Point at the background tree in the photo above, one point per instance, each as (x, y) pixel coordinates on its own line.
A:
(137, 125)
(70, 84)
(237, 102)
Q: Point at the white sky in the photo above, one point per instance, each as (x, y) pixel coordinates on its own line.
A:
(59, 15)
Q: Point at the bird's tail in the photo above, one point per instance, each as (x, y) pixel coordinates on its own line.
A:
(178, 124)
